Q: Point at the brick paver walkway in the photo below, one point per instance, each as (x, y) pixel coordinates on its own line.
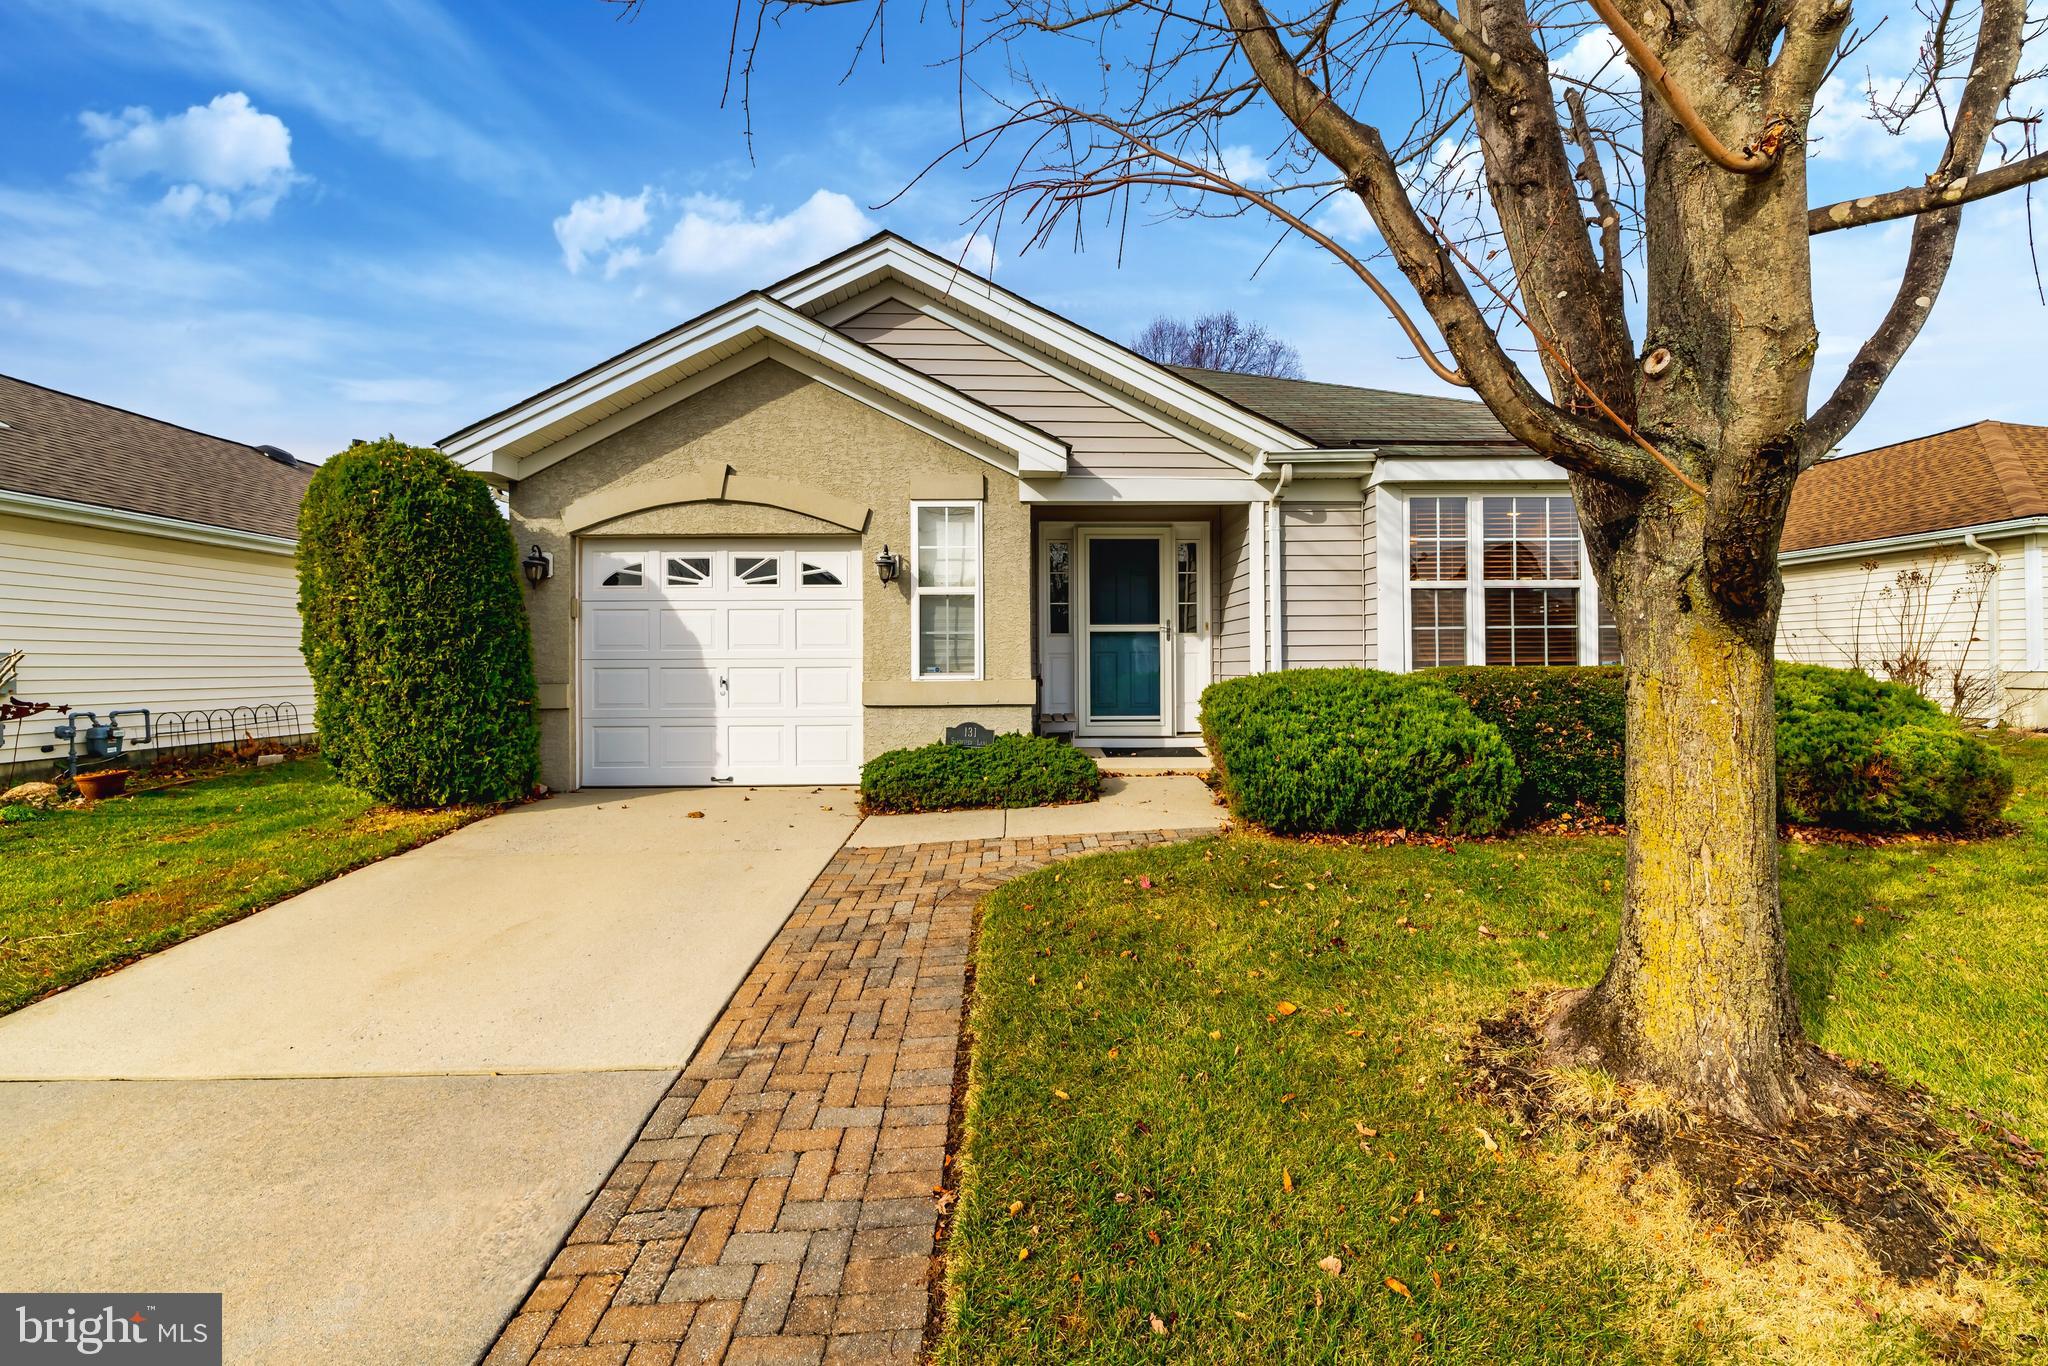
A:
(778, 1206)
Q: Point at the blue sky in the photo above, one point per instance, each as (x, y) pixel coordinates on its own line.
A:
(301, 223)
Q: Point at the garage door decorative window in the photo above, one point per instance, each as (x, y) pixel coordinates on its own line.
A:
(945, 582)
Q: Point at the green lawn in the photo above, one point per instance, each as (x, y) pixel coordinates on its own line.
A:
(1213, 1144)
(85, 889)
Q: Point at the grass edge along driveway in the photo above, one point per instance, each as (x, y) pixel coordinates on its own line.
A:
(1200, 1071)
(84, 890)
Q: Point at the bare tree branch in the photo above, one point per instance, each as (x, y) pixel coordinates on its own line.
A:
(2001, 32)
(1490, 64)
(1358, 152)
(1918, 199)
(1756, 156)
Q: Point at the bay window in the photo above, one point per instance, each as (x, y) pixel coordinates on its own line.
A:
(945, 590)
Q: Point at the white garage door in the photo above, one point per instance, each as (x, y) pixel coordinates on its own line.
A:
(723, 661)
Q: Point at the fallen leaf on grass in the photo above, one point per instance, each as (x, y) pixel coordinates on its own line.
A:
(1399, 1289)
(1023, 1254)
(1287, 1180)
(1487, 1139)
(1016, 1208)
(1285, 1008)
(1159, 1325)
(1145, 883)
(1333, 1266)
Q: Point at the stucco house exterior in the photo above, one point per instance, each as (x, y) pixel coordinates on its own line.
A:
(1928, 552)
(143, 564)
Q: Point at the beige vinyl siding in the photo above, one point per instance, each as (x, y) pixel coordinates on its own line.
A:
(1323, 584)
(1106, 441)
(1854, 612)
(1233, 593)
(112, 619)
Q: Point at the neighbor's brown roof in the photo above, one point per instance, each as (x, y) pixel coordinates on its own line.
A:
(56, 445)
(1972, 476)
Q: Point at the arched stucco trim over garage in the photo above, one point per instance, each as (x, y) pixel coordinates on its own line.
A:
(716, 484)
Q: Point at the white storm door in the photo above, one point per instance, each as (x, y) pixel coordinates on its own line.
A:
(730, 661)
(1126, 666)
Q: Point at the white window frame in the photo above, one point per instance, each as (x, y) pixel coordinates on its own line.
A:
(917, 593)
(1392, 508)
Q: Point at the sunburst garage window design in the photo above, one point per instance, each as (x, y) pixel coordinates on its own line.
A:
(688, 571)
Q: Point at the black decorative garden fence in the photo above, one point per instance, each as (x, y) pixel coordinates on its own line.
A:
(209, 728)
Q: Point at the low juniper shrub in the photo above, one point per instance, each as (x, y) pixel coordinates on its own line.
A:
(1009, 771)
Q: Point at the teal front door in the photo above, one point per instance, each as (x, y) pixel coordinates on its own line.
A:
(1127, 665)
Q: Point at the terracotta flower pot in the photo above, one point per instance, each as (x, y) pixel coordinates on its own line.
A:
(106, 782)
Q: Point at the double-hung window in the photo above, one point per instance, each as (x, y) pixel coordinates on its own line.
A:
(1523, 606)
(945, 590)
(1437, 575)
(1531, 564)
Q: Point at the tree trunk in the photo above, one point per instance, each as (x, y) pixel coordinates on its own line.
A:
(1696, 999)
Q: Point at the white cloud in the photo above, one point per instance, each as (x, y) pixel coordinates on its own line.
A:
(716, 239)
(406, 393)
(596, 224)
(1242, 165)
(1842, 130)
(975, 251)
(1596, 56)
(1343, 216)
(224, 159)
(723, 238)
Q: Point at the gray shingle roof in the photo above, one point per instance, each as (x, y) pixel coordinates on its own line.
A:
(1341, 416)
(56, 445)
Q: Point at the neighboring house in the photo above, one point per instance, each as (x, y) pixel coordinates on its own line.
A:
(145, 565)
(1923, 561)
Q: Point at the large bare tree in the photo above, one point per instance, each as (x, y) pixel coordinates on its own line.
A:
(1219, 341)
(1523, 201)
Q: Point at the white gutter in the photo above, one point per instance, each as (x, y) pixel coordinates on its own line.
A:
(142, 523)
(1919, 540)
(1992, 558)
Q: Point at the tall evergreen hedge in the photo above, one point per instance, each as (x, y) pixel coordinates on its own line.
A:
(414, 631)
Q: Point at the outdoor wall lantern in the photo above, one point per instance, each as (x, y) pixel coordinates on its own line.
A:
(887, 564)
(538, 565)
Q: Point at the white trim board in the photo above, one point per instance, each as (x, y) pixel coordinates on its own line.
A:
(141, 523)
(541, 430)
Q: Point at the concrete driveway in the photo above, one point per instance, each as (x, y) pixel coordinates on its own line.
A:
(370, 1112)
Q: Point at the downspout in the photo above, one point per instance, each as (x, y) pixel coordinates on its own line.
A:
(1277, 555)
(1992, 558)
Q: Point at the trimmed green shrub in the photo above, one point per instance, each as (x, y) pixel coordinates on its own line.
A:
(1344, 750)
(1566, 728)
(1011, 770)
(1853, 752)
(414, 631)
(1864, 755)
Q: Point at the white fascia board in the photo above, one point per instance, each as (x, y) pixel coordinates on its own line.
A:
(947, 281)
(1140, 489)
(141, 523)
(1531, 469)
(721, 336)
(1919, 540)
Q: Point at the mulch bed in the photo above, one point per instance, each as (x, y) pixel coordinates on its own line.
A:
(1863, 1167)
